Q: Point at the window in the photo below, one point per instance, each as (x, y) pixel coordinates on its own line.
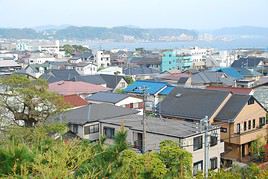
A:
(251, 101)
(238, 128)
(262, 121)
(249, 125)
(198, 166)
(109, 132)
(131, 105)
(213, 163)
(198, 143)
(223, 129)
(75, 128)
(253, 124)
(91, 129)
(245, 125)
(213, 141)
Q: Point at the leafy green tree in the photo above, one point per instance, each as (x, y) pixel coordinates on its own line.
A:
(178, 161)
(23, 99)
(153, 166)
(129, 79)
(257, 149)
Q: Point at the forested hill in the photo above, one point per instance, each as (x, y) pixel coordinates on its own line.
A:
(102, 33)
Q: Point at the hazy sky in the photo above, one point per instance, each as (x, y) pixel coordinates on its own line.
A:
(192, 14)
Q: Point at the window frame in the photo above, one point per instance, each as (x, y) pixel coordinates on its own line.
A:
(215, 166)
(214, 141)
(111, 135)
(200, 144)
(196, 164)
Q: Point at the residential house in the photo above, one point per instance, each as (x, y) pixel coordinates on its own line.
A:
(84, 121)
(83, 68)
(74, 100)
(111, 70)
(76, 59)
(241, 117)
(249, 62)
(141, 73)
(80, 88)
(149, 61)
(36, 70)
(8, 67)
(187, 134)
(115, 82)
(153, 90)
(123, 100)
(234, 90)
(209, 78)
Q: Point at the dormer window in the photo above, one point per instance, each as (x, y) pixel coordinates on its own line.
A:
(251, 101)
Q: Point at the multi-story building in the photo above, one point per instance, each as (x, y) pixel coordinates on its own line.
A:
(102, 59)
(241, 117)
(187, 134)
(176, 60)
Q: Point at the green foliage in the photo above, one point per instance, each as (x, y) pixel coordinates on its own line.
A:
(177, 160)
(28, 100)
(257, 150)
(71, 49)
(129, 79)
(119, 91)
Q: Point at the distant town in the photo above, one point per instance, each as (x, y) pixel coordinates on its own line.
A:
(211, 102)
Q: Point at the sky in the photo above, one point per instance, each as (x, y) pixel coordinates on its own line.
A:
(190, 14)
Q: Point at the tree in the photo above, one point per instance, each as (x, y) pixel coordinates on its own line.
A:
(23, 99)
(178, 161)
(257, 149)
(129, 79)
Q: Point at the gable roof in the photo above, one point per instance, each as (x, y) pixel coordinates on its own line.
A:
(111, 80)
(235, 90)
(232, 72)
(75, 87)
(168, 127)
(9, 63)
(107, 97)
(94, 79)
(208, 77)
(248, 73)
(59, 75)
(139, 71)
(152, 87)
(247, 62)
(93, 113)
(167, 90)
(74, 100)
(191, 103)
(233, 107)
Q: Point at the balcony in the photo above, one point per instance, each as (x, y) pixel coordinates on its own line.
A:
(248, 136)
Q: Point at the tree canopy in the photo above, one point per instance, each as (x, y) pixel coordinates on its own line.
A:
(27, 100)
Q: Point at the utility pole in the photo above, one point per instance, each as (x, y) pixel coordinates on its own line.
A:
(143, 89)
(204, 127)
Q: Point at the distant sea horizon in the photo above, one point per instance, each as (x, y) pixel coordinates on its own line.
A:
(220, 45)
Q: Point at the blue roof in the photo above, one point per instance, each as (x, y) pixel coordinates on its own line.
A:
(231, 72)
(167, 90)
(152, 87)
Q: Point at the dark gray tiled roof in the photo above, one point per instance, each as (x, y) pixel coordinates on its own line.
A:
(139, 71)
(247, 62)
(111, 80)
(59, 75)
(107, 97)
(233, 107)
(94, 79)
(71, 75)
(93, 113)
(207, 77)
(183, 80)
(191, 103)
(169, 127)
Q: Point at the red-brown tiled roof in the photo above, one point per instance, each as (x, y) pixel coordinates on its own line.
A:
(75, 87)
(234, 90)
(74, 100)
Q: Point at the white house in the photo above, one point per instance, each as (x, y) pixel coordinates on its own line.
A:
(102, 59)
